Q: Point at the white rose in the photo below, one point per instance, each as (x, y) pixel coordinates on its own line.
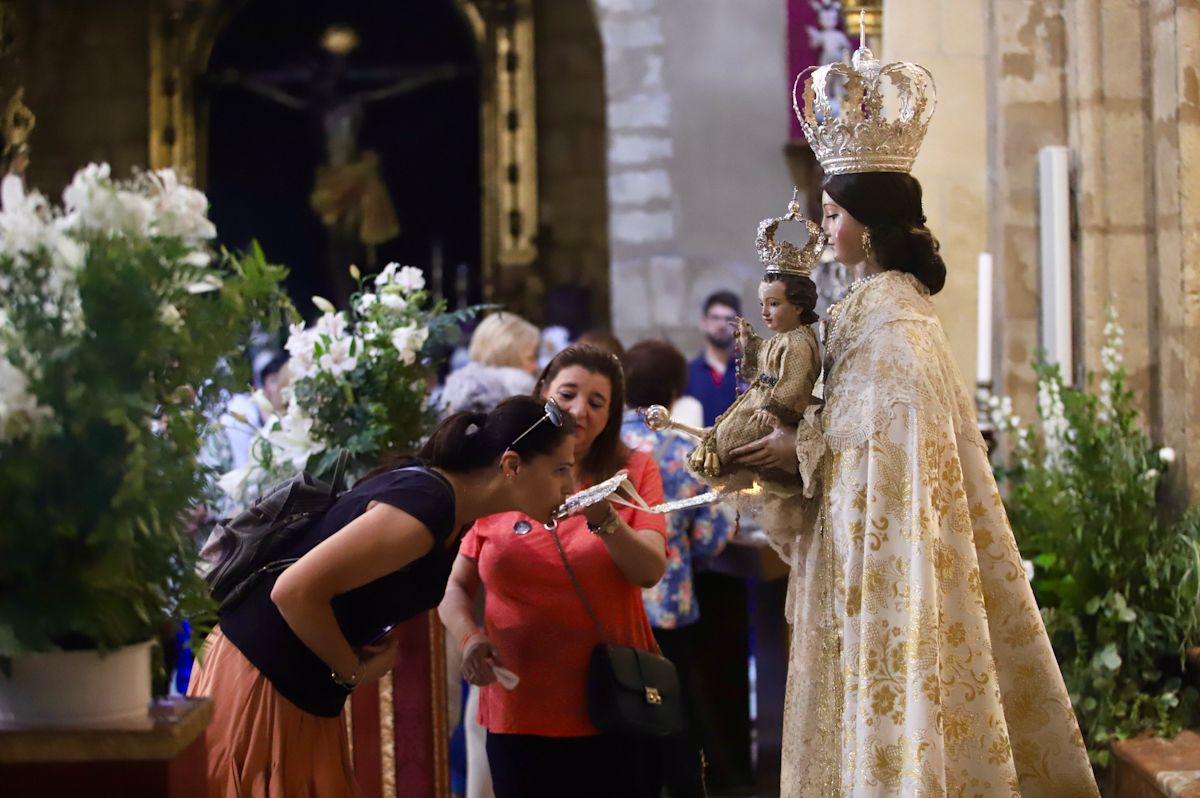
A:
(1166, 454)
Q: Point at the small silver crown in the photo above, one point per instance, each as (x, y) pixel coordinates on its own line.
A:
(865, 116)
(785, 257)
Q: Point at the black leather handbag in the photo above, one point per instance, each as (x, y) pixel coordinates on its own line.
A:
(630, 692)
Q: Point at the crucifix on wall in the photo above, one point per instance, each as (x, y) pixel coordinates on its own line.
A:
(349, 194)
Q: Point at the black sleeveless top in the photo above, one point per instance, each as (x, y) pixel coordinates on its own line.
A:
(259, 631)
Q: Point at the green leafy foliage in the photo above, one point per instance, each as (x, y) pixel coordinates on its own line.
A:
(95, 497)
(1117, 572)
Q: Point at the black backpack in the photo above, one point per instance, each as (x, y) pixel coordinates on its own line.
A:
(242, 549)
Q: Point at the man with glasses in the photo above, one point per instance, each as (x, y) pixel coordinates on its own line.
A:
(712, 378)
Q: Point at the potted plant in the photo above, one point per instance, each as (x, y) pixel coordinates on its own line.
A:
(1116, 558)
(116, 318)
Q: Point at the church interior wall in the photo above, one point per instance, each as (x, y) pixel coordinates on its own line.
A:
(1116, 82)
(946, 36)
(697, 119)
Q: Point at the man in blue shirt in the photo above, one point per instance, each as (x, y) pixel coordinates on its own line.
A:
(712, 378)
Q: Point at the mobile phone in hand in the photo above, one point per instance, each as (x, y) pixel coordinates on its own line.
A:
(384, 633)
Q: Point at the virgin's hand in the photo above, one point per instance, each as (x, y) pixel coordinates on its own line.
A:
(776, 449)
(377, 660)
(479, 655)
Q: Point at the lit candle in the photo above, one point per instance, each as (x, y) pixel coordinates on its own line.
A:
(983, 352)
(1055, 222)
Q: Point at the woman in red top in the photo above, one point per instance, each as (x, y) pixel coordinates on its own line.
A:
(540, 740)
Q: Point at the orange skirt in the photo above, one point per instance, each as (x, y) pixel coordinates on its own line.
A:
(261, 745)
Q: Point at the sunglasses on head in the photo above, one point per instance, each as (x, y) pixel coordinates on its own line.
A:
(553, 414)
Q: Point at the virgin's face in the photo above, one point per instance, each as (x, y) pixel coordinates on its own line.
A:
(844, 231)
(542, 482)
(587, 396)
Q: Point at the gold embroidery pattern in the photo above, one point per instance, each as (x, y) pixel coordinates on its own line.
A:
(919, 662)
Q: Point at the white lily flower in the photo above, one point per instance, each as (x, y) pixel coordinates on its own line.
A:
(180, 210)
(1166, 454)
(410, 279)
(385, 277)
(169, 316)
(209, 282)
(408, 341)
(292, 441)
(337, 359)
(392, 300)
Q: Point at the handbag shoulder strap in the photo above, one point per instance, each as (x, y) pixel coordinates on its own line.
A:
(587, 605)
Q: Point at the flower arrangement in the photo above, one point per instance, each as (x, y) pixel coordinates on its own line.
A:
(114, 315)
(358, 380)
(1116, 572)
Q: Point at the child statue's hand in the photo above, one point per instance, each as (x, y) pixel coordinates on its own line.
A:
(765, 419)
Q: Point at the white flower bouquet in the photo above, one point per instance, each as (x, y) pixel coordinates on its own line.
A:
(114, 315)
(358, 380)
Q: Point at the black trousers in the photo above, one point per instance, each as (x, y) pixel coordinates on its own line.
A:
(603, 766)
(683, 769)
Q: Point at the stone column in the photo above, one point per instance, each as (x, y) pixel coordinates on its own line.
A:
(646, 268)
(947, 37)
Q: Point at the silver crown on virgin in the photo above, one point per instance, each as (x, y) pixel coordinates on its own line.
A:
(865, 116)
(785, 257)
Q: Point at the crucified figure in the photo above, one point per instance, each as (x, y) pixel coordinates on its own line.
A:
(349, 195)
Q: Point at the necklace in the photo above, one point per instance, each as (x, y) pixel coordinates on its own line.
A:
(861, 281)
(835, 313)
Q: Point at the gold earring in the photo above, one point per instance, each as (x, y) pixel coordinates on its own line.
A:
(866, 241)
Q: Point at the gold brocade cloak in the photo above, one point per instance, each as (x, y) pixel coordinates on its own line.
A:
(919, 663)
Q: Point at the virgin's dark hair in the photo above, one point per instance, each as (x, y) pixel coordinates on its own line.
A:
(608, 454)
(889, 205)
(469, 441)
(799, 291)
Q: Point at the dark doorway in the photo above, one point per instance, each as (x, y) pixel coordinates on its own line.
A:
(403, 78)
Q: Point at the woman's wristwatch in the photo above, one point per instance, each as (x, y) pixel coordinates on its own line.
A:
(608, 525)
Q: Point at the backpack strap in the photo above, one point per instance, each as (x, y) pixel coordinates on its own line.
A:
(339, 473)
